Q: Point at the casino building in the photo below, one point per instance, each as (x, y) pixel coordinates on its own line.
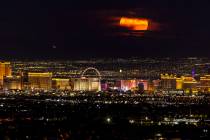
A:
(5, 70)
(40, 81)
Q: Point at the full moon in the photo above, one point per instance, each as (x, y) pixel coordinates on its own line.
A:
(137, 24)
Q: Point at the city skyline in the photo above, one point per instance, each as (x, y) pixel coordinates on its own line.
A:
(142, 76)
(105, 69)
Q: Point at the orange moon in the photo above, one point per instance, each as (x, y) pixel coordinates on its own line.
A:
(136, 24)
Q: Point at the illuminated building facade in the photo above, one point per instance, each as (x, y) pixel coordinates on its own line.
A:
(168, 81)
(86, 84)
(156, 84)
(205, 83)
(127, 84)
(60, 83)
(5, 70)
(179, 83)
(104, 86)
(90, 80)
(189, 84)
(40, 81)
(12, 83)
(132, 84)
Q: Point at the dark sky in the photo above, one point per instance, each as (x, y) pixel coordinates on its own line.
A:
(76, 28)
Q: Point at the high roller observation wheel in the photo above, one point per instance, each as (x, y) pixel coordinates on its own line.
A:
(91, 68)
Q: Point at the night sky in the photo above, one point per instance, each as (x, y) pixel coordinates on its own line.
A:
(76, 29)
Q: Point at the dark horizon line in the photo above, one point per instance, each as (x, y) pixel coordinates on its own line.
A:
(102, 58)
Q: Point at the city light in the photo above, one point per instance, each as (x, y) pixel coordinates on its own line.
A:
(126, 87)
(105, 70)
(108, 119)
(131, 121)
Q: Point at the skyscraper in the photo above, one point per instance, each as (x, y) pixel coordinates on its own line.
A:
(168, 81)
(5, 70)
(39, 81)
(12, 83)
(61, 83)
(87, 84)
